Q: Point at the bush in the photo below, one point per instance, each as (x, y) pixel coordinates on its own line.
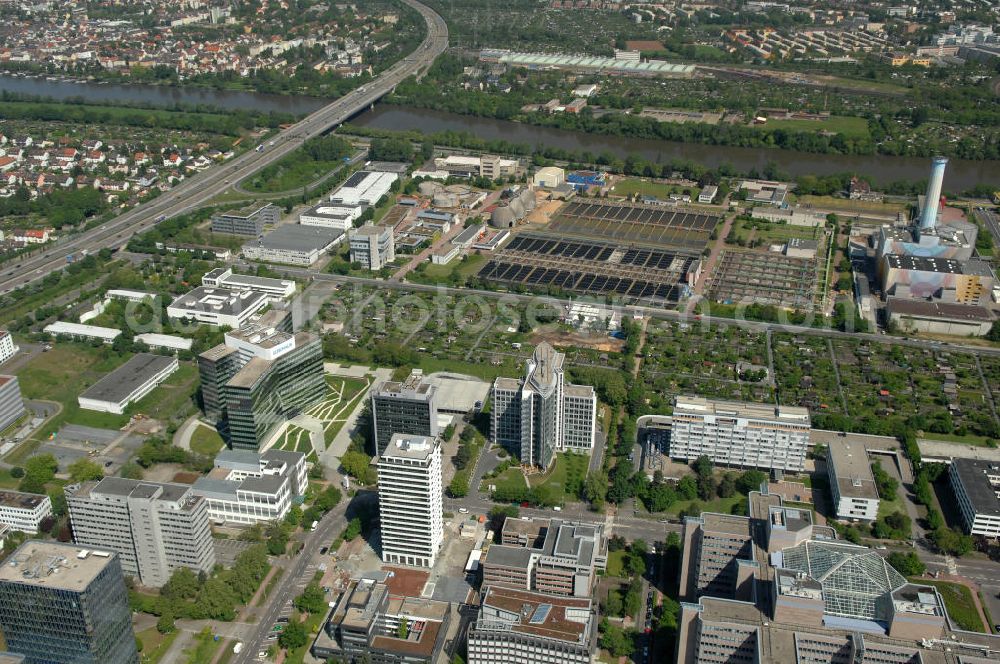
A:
(17, 472)
(907, 564)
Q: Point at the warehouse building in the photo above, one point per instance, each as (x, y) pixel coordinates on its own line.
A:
(249, 221)
(740, 434)
(223, 277)
(128, 383)
(293, 244)
(220, 307)
(976, 484)
(11, 401)
(939, 317)
(855, 495)
(549, 177)
(24, 511)
(246, 488)
(364, 188)
(165, 341)
(155, 528)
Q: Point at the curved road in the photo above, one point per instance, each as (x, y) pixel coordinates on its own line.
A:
(204, 186)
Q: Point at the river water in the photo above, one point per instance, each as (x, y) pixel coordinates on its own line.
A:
(961, 174)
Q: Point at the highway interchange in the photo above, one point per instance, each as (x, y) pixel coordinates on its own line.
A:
(203, 187)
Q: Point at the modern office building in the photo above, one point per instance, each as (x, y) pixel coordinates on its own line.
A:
(976, 484)
(246, 488)
(154, 528)
(128, 383)
(341, 217)
(517, 627)
(372, 246)
(223, 277)
(60, 604)
(410, 500)
(293, 244)
(852, 483)
(24, 511)
(261, 376)
(718, 556)
(552, 557)
(7, 346)
(11, 401)
(540, 414)
(740, 434)
(249, 221)
(407, 407)
(366, 620)
(221, 307)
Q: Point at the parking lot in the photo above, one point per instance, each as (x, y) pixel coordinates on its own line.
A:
(75, 442)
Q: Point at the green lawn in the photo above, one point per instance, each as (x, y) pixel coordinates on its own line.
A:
(335, 414)
(206, 440)
(959, 603)
(632, 186)
(720, 505)
(204, 648)
(155, 645)
(850, 127)
(173, 398)
(968, 439)
(291, 172)
(512, 478)
(566, 465)
(433, 274)
(616, 564)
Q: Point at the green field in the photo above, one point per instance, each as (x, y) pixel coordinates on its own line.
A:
(719, 505)
(566, 465)
(633, 186)
(155, 645)
(959, 603)
(616, 564)
(206, 440)
(291, 172)
(434, 274)
(511, 478)
(850, 127)
(173, 398)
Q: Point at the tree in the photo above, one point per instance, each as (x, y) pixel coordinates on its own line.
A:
(613, 607)
(165, 624)
(459, 486)
(615, 640)
(702, 466)
(294, 516)
(727, 485)
(353, 529)
(750, 481)
(329, 498)
(884, 482)
(132, 471)
(294, 635)
(312, 599)
(38, 470)
(403, 630)
(688, 487)
(355, 464)
(183, 584)
(907, 564)
(84, 470)
(58, 498)
(631, 603)
(277, 539)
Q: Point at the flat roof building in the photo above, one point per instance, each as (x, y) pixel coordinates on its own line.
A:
(976, 485)
(408, 407)
(331, 216)
(166, 341)
(939, 317)
(24, 511)
(246, 487)
(128, 383)
(293, 244)
(372, 246)
(223, 277)
(249, 221)
(219, 307)
(63, 604)
(852, 483)
(516, 627)
(364, 188)
(155, 528)
(764, 191)
(732, 433)
(410, 503)
(11, 402)
(80, 331)
(7, 346)
(552, 557)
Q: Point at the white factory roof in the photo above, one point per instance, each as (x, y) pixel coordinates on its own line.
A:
(81, 330)
(170, 341)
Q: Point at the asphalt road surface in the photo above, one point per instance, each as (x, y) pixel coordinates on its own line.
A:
(204, 186)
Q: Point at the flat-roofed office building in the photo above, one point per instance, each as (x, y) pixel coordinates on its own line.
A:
(852, 482)
(747, 435)
(128, 383)
(246, 487)
(24, 511)
(407, 406)
(11, 401)
(155, 528)
(60, 604)
(249, 221)
(976, 484)
(410, 500)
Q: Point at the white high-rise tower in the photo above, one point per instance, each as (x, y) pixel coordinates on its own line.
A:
(410, 500)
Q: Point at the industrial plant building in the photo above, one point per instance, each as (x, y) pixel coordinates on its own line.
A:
(293, 244)
(155, 528)
(262, 375)
(746, 435)
(541, 414)
(364, 188)
(410, 504)
(341, 217)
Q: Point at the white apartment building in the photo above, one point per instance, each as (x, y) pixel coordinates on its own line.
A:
(155, 528)
(410, 500)
(852, 483)
(24, 511)
(976, 484)
(740, 434)
(246, 488)
(542, 413)
(7, 347)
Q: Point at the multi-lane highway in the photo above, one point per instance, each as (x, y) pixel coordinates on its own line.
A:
(201, 188)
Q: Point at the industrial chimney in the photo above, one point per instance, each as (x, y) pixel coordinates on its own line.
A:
(932, 200)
